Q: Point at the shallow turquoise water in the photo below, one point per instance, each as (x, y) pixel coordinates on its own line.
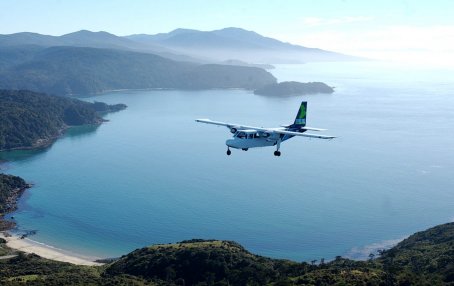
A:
(153, 175)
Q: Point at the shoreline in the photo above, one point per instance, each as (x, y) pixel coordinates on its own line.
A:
(46, 251)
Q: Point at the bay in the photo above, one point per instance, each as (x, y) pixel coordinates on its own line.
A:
(153, 175)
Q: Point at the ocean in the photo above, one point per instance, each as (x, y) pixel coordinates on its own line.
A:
(153, 175)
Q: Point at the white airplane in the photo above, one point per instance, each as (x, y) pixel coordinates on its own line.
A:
(245, 137)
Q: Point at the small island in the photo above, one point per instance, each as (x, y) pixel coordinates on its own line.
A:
(289, 88)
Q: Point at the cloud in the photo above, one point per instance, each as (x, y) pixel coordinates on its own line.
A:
(401, 43)
(317, 21)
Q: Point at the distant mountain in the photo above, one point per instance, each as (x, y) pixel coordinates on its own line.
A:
(78, 70)
(187, 45)
(90, 39)
(30, 120)
(236, 43)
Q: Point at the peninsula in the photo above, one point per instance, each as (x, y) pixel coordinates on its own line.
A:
(289, 88)
(32, 120)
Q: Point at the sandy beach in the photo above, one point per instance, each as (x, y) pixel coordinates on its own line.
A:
(29, 246)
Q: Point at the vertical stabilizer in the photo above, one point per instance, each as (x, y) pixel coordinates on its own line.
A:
(300, 120)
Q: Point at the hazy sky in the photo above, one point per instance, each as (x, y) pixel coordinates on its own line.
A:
(404, 30)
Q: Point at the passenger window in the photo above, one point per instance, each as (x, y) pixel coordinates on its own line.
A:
(241, 135)
(251, 136)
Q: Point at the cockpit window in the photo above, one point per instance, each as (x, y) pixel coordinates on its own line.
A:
(241, 135)
(251, 136)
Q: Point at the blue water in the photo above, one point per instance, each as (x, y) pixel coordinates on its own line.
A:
(153, 175)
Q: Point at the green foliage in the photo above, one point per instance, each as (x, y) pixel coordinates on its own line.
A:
(287, 88)
(34, 270)
(424, 258)
(77, 70)
(29, 119)
(8, 185)
(203, 262)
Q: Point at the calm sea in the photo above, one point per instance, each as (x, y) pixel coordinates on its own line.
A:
(153, 175)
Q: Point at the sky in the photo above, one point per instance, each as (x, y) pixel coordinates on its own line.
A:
(399, 30)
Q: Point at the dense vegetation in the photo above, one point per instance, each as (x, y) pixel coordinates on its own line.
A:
(287, 88)
(34, 270)
(29, 119)
(425, 258)
(8, 186)
(11, 188)
(81, 70)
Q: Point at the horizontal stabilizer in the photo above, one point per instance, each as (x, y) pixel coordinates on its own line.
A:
(306, 128)
(304, 134)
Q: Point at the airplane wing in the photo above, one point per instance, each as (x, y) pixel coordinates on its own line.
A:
(229, 125)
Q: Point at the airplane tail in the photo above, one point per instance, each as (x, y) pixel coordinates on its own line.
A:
(300, 120)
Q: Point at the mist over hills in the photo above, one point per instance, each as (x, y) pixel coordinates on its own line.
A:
(237, 43)
(90, 62)
(78, 70)
(187, 45)
(89, 39)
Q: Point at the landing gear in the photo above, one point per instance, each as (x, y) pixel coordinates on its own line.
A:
(228, 152)
(245, 149)
(277, 152)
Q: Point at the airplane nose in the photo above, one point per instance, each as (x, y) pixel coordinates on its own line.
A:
(230, 143)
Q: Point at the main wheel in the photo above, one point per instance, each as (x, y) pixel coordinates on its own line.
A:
(245, 149)
(229, 152)
(277, 153)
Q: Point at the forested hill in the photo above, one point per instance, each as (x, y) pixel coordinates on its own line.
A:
(82, 70)
(29, 119)
(425, 258)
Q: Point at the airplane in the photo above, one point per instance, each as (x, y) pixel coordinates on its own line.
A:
(245, 137)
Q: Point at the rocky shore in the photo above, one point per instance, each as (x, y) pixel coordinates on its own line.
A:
(11, 189)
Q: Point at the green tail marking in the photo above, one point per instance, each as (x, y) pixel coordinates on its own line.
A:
(301, 115)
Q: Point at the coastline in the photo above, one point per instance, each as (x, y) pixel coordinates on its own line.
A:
(46, 251)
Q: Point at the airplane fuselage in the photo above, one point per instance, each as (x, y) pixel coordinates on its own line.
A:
(245, 139)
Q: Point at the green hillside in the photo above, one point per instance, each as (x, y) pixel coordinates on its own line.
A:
(29, 119)
(425, 258)
(82, 70)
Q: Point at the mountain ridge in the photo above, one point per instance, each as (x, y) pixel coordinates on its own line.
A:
(187, 44)
(221, 45)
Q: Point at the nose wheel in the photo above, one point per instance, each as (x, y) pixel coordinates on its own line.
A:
(229, 152)
(277, 153)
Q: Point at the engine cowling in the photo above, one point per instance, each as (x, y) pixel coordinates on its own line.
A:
(233, 130)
